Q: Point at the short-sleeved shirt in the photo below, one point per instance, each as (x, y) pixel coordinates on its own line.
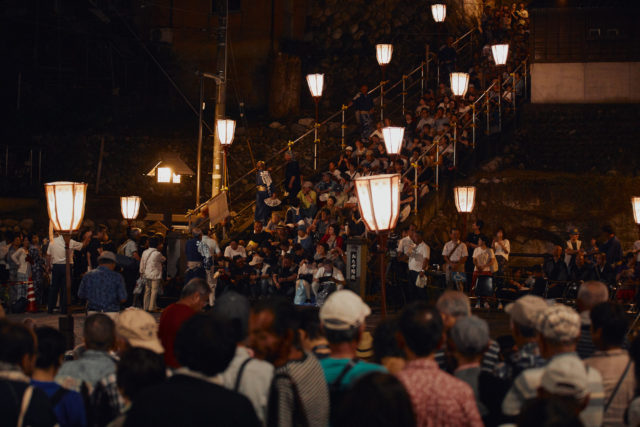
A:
(103, 289)
(303, 199)
(362, 102)
(56, 250)
(418, 255)
(70, 409)
(454, 253)
(483, 256)
(171, 320)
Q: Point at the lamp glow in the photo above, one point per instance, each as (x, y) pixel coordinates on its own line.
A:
(439, 12)
(164, 174)
(500, 53)
(379, 200)
(176, 178)
(459, 83)
(635, 204)
(465, 198)
(393, 139)
(225, 129)
(384, 53)
(316, 84)
(65, 203)
(130, 206)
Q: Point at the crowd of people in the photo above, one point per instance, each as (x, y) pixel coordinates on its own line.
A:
(276, 364)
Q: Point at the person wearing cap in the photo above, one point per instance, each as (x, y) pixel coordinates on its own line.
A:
(103, 288)
(558, 327)
(469, 338)
(326, 184)
(438, 398)
(308, 200)
(259, 277)
(245, 374)
(566, 379)
(523, 314)
(137, 328)
(572, 248)
(292, 177)
(590, 294)
(611, 247)
(264, 189)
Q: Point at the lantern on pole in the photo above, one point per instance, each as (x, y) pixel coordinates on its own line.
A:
(316, 85)
(465, 198)
(635, 204)
(459, 83)
(130, 206)
(225, 130)
(500, 53)
(379, 204)
(383, 55)
(393, 137)
(439, 12)
(65, 204)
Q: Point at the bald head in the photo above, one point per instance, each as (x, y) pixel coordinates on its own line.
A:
(454, 303)
(591, 294)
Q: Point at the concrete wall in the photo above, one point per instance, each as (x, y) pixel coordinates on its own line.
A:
(589, 82)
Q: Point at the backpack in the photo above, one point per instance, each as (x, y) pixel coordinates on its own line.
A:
(337, 390)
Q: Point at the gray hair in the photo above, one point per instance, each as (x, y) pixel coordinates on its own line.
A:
(195, 285)
(591, 294)
(454, 304)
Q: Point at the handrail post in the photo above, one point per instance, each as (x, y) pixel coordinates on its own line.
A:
(415, 186)
(488, 130)
(343, 127)
(437, 166)
(513, 91)
(473, 124)
(404, 93)
(500, 102)
(525, 78)
(455, 141)
(422, 80)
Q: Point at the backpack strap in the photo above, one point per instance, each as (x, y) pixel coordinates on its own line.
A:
(617, 387)
(24, 407)
(336, 383)
(236, 387)
(299, 416)
(58, 396)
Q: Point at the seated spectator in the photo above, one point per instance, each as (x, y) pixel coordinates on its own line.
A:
(96, 362)
(513, 287)
(137, 370)
(559, 328)
(234, 249)
(590, 294)
(306, 270)
(67, 404)
(204, 347)
(437, 397)
(259, 277)
(556, 272)
(246, 375)
(308, 200)
(609, 328)
(602, 271)
(331, 237)
(284, 277)
(380, 391)
(326, 280)
(18, 357)
(299, 394)
(193, 298)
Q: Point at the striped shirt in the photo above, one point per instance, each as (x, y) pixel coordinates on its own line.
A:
(490, 358)
(306, 378)
(526, 386)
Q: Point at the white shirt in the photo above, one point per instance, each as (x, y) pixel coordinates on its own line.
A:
(213, 245)
(229, 252)
(336, 274)
(457, 254)
(578, 245)
(483, 256)
(20, 258)
(151, 264)
(404, 245)
(417, 255)
(499, 251)
(56, 250)
(129, 248)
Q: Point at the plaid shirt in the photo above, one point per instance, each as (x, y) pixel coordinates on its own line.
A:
(526, 357)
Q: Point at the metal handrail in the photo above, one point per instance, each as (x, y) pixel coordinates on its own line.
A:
(465, 35)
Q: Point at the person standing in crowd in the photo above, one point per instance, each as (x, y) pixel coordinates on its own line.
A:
(590, 294)
(193, 298)
(211, 241)
(555, 270)
(264, 189)
(151, 272)
(95, 363)
(98, 243)
(343, 319)
(103, 288)
(472, 244)
(245, 374)
(484, 260)
(18, 356)
(419, 255)
(67, 404)
(363, 107)
(523, 314)
(197, 253)
(501, 248)
(611, 247)
(20, 258)
(559, 328)
(37, 262)
(57, 260)
(437, 397)
(299, 394)
(291, 175)
(192, 397)
(573, 248)
(16, 244)
(455, 255)
(609, 327)
(129, 259)
(602, 270)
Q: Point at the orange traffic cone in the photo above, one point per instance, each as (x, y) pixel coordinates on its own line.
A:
(31, 297)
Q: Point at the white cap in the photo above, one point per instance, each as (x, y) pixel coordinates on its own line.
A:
(566, 375)
(343, 310)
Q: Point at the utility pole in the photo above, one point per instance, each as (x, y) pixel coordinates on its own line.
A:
(223, 13)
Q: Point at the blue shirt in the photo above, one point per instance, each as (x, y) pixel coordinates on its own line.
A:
(70, 409)
(333, 367)
(103, 288)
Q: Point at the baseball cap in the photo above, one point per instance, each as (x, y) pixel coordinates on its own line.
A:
(565, 376)
(256, 260)
(525, 310)
(470, 334)
(343, 310)
(307, 184)
(140, 329)
(574, 231)
(559, 323)
(107, 255)
(348, 148)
